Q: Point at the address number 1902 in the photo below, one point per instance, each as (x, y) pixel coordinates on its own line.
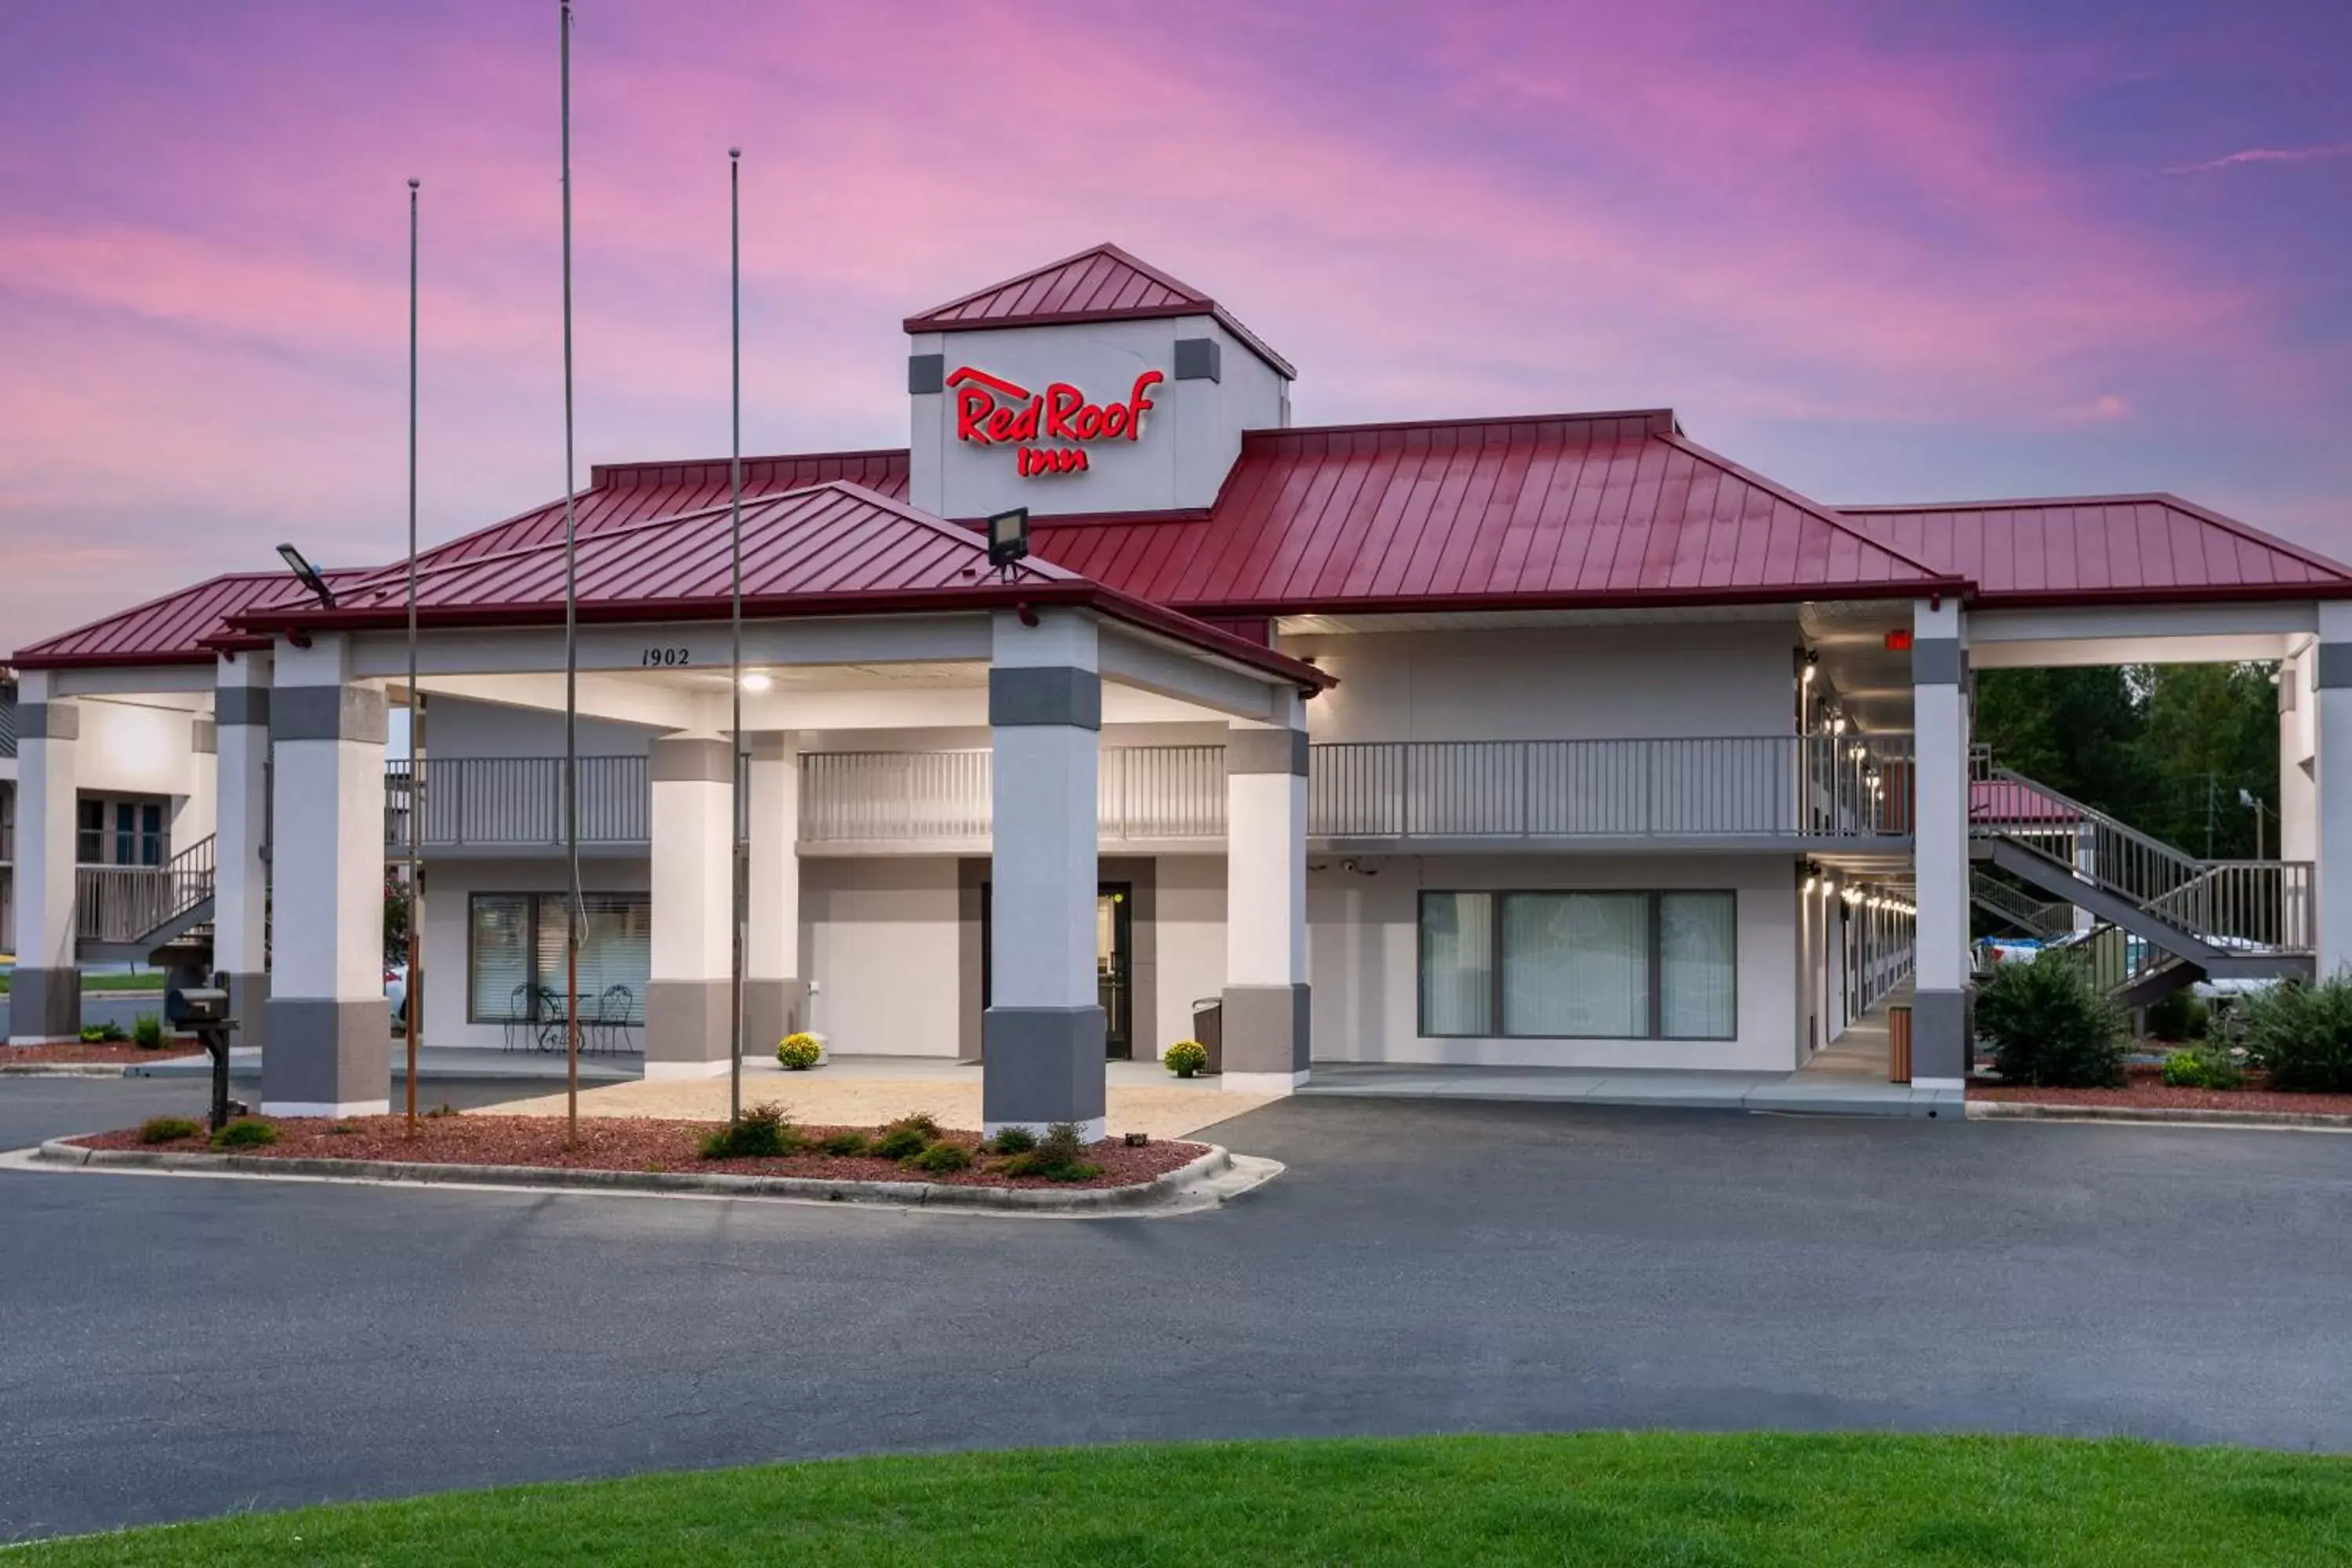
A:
(664, 658)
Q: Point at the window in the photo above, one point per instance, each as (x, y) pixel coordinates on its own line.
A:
(1580, 966)
(89, 832)
(514, 951)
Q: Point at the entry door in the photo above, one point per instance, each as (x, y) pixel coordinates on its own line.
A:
(1114, 962)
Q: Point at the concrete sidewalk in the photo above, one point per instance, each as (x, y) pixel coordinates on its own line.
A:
(433, 1062)
(1796, 1092)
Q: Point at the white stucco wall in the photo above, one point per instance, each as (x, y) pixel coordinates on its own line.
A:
(1190, 941)
(1362, 945)
(131, 748)
(447, 884)
(1564, 683)
(458, 727)
(880, 938)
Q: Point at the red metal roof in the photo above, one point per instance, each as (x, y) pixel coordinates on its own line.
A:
(833, 549)
(2073, 549)
(1999, 800)
(172, 629)
(1549, 511)
(1103, 284)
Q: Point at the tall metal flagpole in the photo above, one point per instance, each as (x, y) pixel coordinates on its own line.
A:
(735, 864)
(570, 653)
(411, 1005)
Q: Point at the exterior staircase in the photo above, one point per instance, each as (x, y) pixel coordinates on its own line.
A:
(147, 914)
(2174, 918)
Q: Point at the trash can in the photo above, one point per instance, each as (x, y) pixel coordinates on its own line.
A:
(1209, 1029)
(1898, 1044)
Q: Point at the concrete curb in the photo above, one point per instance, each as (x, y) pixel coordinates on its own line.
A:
(65, 1069)
(1159, 1191)
(2151, 1115)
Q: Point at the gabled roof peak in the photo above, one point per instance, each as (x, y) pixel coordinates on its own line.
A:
(1101, 283)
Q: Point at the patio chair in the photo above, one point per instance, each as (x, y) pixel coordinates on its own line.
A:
(551, 1020)
(521, 1022)
(610, 1025)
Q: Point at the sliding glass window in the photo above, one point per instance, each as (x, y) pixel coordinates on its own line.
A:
(514, 957)
(1580, 966)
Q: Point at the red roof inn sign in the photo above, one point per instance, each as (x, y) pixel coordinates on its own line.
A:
(993, 411)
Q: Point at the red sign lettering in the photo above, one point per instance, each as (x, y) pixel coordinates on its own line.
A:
(993, 411)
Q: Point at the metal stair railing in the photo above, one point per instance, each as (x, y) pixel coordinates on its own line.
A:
(129, 903)
(2021, 908)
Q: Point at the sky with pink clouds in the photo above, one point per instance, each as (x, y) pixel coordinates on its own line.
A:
(1880, 251)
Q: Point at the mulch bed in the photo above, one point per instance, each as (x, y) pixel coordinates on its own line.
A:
(76, 1052)
(639, 1144)
(2146, 1086)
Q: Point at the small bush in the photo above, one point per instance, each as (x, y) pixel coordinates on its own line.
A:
(1016, 1140)
(245, 1132)
(445, 1109)
(147, 1032)
(798, 1053)
(851, 1142)
(899, 1143)
(761, 1133)
(1056, 1157)
(2203, 1067)
(2051, 1026)
(167, 1130)
(920, 1121)
(2181, 1016)
(1186, 1059)
(2301, 1034)
(341, 1129)
(940, 1159)
(108, 1034)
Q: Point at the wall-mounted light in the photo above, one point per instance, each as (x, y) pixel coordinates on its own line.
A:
(1008, 537)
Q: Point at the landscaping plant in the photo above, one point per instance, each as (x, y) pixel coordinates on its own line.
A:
(147, 1032)
(108, 1034)
(899, 1141)
(798, 1052)
(2203, 1067)
(1016, 1140)
(761, 1133)
(245, 1133)
(2051, 1026)
(1187, 1058)
(2301, 1034)
(848, 1142)
(167, 1130)
(2179, 1016)
(940, 1159)
(1058, 1156)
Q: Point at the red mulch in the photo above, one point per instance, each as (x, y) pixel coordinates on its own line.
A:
(2146, 1086)
(639, 1144)
(73, 1051)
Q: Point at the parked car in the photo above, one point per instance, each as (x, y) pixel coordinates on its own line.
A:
(395, 991)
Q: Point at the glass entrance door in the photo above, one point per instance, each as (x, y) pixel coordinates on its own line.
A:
(1114, 962)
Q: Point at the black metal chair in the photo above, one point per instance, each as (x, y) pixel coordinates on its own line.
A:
(610, 1026)
(521, 1020)
(552, 1024)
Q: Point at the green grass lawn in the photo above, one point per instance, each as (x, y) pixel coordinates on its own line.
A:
(147, 980)
(1605, 1498)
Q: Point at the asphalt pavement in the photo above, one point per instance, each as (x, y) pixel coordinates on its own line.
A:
(178, 1347)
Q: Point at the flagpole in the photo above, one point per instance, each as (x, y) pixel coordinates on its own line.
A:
(577, 911)
(410, 1003)
(735, 863)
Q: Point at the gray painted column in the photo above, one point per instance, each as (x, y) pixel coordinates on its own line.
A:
(1268, 1016)
(1940, 1047)
(1042, 1035)
(44, 994)
(687, 1006)
(775, 993)
(2332, 862)
(329, 1050)
(241, 869)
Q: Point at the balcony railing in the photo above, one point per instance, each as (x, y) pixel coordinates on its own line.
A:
(128, 903)
(1711, 788)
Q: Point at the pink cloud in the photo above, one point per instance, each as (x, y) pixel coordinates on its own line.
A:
(2264, 155)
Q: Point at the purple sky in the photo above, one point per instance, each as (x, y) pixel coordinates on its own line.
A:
(1879, 251)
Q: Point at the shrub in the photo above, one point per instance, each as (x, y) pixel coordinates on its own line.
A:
(851, 1142)
(922, 1121)
(1056, 1157)
(2203, 1067)
(1187, 1057)
(761, 1133)
(342, 1129)
(147, 1032)
(899, 1143)
(1016, 1140)
(167, 1130)
(108, 1034)
(445, 1109)
(941, 1158)
(798, 1053)
(2051, 1026)
(2301, 1034)
(245, 1133)
(2179, 1016)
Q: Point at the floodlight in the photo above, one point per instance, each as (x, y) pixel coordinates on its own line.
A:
(308, 574)
(1008, 536)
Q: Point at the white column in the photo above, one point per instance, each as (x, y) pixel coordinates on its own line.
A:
(329, 1027)
(1041, 1040)
(2087, 864)
(775, 994)
(1267, 1014)
(1940, 1042)
(687, 1005)
(241, 826)
(44, 994)
(2331, 666)
(2298, 712)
